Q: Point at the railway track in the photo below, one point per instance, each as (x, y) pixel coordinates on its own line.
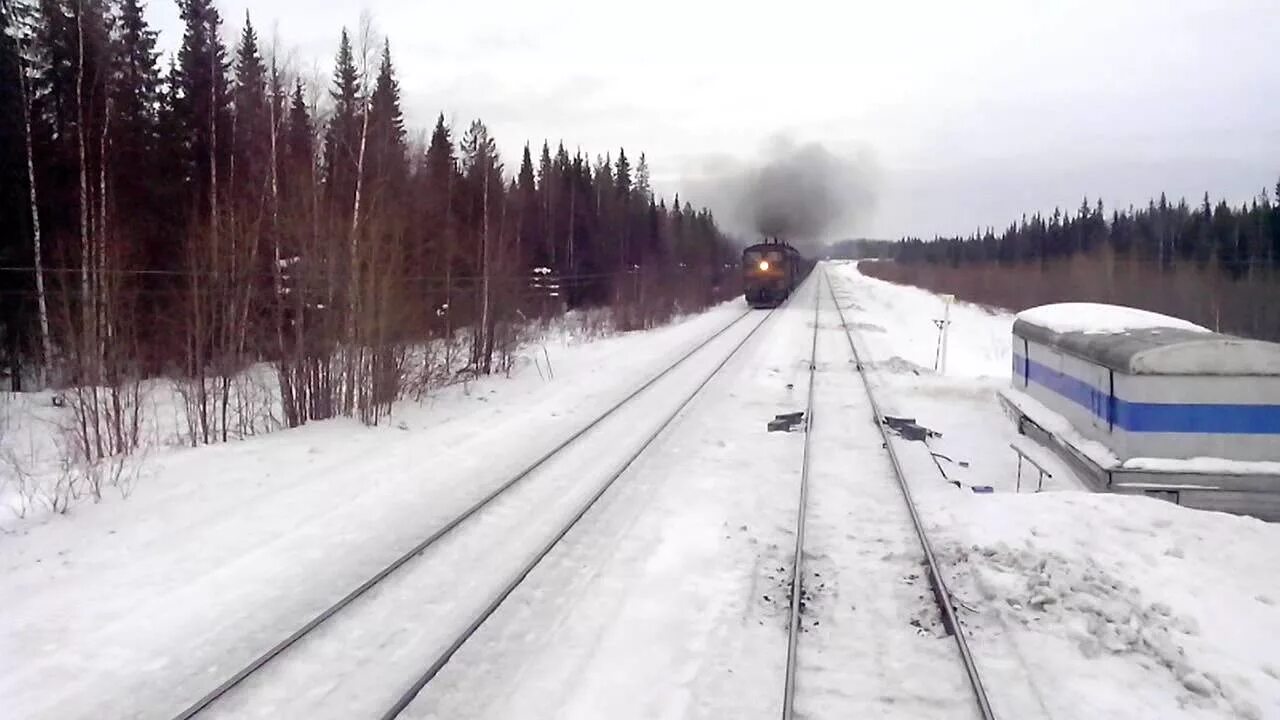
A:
(941, 595)
(796, 591)
(443, 658)
(281, 648)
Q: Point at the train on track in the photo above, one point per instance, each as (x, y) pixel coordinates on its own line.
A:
(770, 271)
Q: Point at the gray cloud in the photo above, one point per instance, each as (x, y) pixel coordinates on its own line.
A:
(996, 107)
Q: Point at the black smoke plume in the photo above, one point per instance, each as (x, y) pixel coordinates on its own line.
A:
(802, 193)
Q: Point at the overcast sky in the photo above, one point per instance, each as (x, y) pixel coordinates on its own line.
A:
(959, 114)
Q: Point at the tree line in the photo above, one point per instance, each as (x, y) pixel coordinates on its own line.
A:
(1216, 264)
(195, 215)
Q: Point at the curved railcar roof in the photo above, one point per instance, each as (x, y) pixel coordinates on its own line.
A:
(1147, 345)
(770, 246)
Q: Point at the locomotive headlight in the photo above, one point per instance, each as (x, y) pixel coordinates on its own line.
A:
(764, 264)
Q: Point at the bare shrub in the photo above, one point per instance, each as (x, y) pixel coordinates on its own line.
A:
(105, 420)
(256, 403)
(7, 476)
(594, 323)
(424, 369)
(19, 477)
(60, 491)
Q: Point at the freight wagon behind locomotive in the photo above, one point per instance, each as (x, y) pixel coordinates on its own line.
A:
(770, 271)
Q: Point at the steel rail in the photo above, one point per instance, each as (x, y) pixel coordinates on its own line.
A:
(940, 593)
(443, 658)
(213, 695)
(797, 576)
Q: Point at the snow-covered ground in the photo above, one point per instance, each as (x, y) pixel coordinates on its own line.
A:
(894, 327)
(668, 599)
(38, 433)
(1080, 605)
(133, 608)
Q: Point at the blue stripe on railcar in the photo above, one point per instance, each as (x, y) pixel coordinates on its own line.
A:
(1204, 418)
(1199, 418)
(1020, 368)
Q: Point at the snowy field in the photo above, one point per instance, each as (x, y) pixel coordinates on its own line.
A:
(668, 599)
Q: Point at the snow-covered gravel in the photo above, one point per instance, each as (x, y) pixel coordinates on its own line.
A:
(874, 645)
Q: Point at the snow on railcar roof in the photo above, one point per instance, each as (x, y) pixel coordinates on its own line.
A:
(1139, 342)
(1099, 318)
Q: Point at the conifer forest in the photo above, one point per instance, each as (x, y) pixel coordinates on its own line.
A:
(191, 217)
(1212, 263)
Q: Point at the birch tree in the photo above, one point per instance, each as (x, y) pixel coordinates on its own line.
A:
(17, 40)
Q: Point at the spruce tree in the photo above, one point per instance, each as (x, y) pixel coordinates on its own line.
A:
(136, 95)
(171, 187)
(622, 174)
(526, 193)
(252, 140)
(299, 133)
(145, 181)
(342, 137)
(388, 154)
(480, 163)
(622, 219)
(643, 188)
(544, 168)
(438, 188)
(201, 104)
(525, 179)
(297, 160)
(1275, 228)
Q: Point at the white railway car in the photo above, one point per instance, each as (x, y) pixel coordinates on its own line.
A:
(1146, 403)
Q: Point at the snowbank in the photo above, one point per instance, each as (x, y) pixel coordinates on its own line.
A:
(1060, 427)
(1117, 606)
(1096, 318)
(895, 325)
(1203, 466)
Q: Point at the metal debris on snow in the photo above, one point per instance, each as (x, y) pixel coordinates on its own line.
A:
(786, 422)
(908, 428)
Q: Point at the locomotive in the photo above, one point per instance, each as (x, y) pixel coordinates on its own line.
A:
(770, 271)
